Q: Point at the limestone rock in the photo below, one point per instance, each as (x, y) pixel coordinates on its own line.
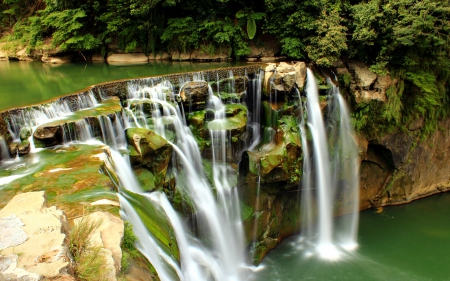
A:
(364, 77)
(44, 252)
(300, 72)
(367, 96)
(266, 49)
(10, 271)
(11, 233)
(382, 84)
(149, 149)
(3, 54)
(127, 58)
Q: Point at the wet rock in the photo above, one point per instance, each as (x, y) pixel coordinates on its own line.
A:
(149, 149)
(48, 135)
(25, 133)
(194, 95)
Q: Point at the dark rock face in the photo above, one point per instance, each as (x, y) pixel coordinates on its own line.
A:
(399, 171)
(194, 95)
(48, 135)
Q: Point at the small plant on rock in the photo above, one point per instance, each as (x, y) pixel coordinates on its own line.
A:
(89, 258)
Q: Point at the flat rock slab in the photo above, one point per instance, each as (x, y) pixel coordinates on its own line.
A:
(44, 253)
(11, 233)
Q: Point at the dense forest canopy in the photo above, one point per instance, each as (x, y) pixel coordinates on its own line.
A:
(407, 38)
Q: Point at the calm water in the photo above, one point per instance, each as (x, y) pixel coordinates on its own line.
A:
(408, 242)
(25, 83)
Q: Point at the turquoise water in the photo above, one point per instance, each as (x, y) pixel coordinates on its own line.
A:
(407, 242)
(26, 83)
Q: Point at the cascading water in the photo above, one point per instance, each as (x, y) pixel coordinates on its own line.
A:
(219, 251)
(255, 117)
(4, 150)
(329, 170)
(346, 162)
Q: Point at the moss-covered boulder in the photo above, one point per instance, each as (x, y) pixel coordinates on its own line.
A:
(202, 123)
(149, 149)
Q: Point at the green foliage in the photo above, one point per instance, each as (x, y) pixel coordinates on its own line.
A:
(89, 259)
(68, 28)
(250, 17)
(392, 109)
(326, 47)
(129, 246)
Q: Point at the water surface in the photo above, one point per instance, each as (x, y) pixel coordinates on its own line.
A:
(26, 83)
(407, 242)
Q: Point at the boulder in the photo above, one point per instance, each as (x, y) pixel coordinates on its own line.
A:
(25, 133)
(127, 58)
(300, 72)
(194, 95)
(48, 135)
(363, 76)
(149, 149)
(43, 254)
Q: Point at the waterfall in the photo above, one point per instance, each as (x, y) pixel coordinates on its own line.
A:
(346, 170)
(4, 149)
(254, 121)
(335, 172)
(86, 100)
(35, 116)
(219, 250)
